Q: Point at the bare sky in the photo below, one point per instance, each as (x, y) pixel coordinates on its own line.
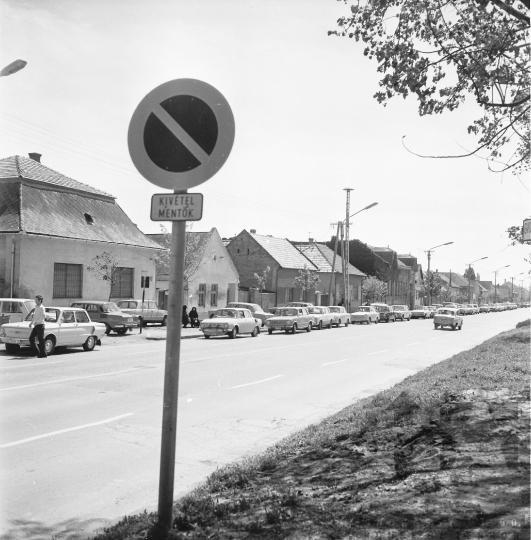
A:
(307, 125)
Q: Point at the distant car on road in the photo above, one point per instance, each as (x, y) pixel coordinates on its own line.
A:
(290, 319)
(432, 310)
(14, 309)
(321, 317)
(365, 314)
(147, 311)
(299, 304)
(110, 315)
(230, 322)
(63, 327)
(255, 309)
(484, 308)
(402, 313)
(421, 312)
(340, 315)
(448, 317)
(385, 312)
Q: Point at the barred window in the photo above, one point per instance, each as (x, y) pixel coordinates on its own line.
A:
(122, 286)
(67, 280)
(202, 294)
(214, 294)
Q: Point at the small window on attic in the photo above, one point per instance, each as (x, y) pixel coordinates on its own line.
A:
(89, 219)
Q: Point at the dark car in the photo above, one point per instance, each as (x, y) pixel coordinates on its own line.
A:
(108, 313)
(385, 312)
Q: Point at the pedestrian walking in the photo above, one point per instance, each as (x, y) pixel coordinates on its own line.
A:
(37, 321)
(194, 318)
(185, 318)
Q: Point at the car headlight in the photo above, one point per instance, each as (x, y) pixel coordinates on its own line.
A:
(289, 321)
(225, 326)
(268, 322)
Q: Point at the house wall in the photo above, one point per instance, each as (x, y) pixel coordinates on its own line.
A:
(36, 256)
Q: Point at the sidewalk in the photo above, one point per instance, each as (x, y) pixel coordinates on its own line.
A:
(158, 333)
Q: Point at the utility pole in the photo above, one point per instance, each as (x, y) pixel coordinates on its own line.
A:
(332, 275)
(343, 261)
(346, 253)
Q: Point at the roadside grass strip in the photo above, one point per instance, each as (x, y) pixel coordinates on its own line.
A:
(442, 454)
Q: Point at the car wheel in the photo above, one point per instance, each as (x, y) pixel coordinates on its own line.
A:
(233, 333)
(330, 325)
(12, 347)
(164, 321)
(121, 331)
(461, 326)
(49, 345)
(255, 332)
(347, 322)
(309, 329)
(435, 326)
(91, 343)
(269, 331)
(107, 329)
(294, 329)
(454, 326)
(207, 337)
(320, 325)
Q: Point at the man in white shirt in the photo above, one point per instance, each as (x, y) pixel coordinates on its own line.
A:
(37, 321)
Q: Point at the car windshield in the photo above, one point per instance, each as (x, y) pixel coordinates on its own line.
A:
(315, 310)
(50, 315)
(381, 308)
(334, 309)
(363, 308)
(446, 312)
(286, 312)
(226, 313)
(109, 306)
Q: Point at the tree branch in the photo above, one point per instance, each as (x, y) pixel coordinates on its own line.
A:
(510, 10)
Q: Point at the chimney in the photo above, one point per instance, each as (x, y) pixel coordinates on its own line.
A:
(35, 157)
(253, 231)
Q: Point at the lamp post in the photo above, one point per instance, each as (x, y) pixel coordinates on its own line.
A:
(346, 251)
(429, 275)
(496, 284)
(512, 286)
(469, 268)
(15, 66)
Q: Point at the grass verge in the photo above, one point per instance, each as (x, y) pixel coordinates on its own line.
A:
(443, 454)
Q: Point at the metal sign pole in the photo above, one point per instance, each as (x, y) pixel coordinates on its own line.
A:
(171, 375)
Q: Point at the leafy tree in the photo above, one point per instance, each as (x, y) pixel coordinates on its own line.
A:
(437, 285)
(306, 280)
(262, 280)
(469, 274)
(481, 44)
(193, 256)
(106, 268)
(374, 289)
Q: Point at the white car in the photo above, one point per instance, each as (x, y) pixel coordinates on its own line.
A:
(290, 319)
(14, 309)
(63, 327)
(230, 322)
(321, 317)
(340, 315)
(448, 317)
(420, 313)
(365, 314)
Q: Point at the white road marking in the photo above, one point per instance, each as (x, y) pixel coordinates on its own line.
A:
(61, 431)
(336, 362)
(377, 352)
(416, 343)
(29, 365)
(256, 382)
(66, 380)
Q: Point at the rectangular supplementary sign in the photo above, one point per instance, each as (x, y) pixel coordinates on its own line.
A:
(177, 207)
(526, 230)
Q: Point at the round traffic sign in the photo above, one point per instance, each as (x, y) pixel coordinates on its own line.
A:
(181, 134)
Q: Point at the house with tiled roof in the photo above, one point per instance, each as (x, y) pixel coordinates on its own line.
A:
(252, 253)
(211, 279)
(51, 229)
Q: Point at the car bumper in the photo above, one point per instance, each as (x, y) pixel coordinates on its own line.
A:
(15, 341)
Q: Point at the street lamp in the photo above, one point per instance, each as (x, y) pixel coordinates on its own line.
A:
(15, 66)
(429, 276)
(512, 286)
(495, 282)
(469, 264)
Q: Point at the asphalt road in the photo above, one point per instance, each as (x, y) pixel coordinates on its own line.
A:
(80, 432)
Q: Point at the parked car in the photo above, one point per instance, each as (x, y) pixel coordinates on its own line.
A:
(475, 309)
(256, 311)
(110, 315)
(484, 308)
(147, 312)
(63, 327)
(340, 315)
(299, 304)
(14, 309)
(385, 312)
(402, 313)
(321, 317)
(448, 317)
(365, 314)
(230, 322)
(450, 304)
(421, 312)
(290, 319)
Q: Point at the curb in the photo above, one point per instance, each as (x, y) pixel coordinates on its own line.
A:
(157, 338)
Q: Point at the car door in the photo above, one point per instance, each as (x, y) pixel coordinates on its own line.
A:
(68, 328)
(84, 326)
(243, 321)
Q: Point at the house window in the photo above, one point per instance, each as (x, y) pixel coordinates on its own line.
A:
(202, 294)
(123, 283)
(214, 294)
(289, 295)
(67, 280)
